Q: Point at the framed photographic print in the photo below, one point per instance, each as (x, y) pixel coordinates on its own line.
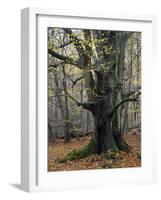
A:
(86, 100)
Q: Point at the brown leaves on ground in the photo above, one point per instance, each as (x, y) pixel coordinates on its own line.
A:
(59, 150)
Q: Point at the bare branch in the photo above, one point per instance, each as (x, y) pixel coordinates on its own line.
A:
(61, 57)
(67, 60)
(65, 90)
(122, 102)
(76, 80)
(52, 65)
(77, 42)
(135, 92)
(85, 105)
(77, 102)
(66, 44)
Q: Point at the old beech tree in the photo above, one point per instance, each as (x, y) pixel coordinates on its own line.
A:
(100, 56)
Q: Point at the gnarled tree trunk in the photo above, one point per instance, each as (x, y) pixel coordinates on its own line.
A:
(103, 135)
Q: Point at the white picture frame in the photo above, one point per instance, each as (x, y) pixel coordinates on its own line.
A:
(34, 176)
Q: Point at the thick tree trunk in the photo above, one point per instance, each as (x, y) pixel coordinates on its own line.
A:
(103, 136)
(107, 136)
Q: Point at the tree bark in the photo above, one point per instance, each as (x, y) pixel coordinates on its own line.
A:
(103, 136)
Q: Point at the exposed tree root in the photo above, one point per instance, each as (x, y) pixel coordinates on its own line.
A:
(123, 146)
(117, 145)
(89, 149)
(120, 143)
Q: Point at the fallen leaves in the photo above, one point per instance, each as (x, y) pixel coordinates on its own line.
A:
(59, 150)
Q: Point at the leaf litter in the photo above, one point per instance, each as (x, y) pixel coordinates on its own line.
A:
(58, 150)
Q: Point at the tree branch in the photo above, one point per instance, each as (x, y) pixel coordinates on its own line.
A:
(77, 102)
(76, 80)
(77, 42)
(52, 65)
(61, 57)
(85, 105)
(65, 90)
(136, 92)
(122, 102)
(67, 60)
(65, 44)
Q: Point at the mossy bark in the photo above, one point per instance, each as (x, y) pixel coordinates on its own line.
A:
(80, 153)
(120, 142)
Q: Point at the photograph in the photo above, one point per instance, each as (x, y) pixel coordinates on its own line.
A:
(94, 99)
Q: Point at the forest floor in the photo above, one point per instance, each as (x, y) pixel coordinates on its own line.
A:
(59, 150)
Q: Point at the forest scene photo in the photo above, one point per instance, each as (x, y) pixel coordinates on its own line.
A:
(94, 99)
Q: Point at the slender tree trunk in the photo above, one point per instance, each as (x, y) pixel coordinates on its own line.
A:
(67, 123)
(63, 109)
(51, 134)
(87, 122)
